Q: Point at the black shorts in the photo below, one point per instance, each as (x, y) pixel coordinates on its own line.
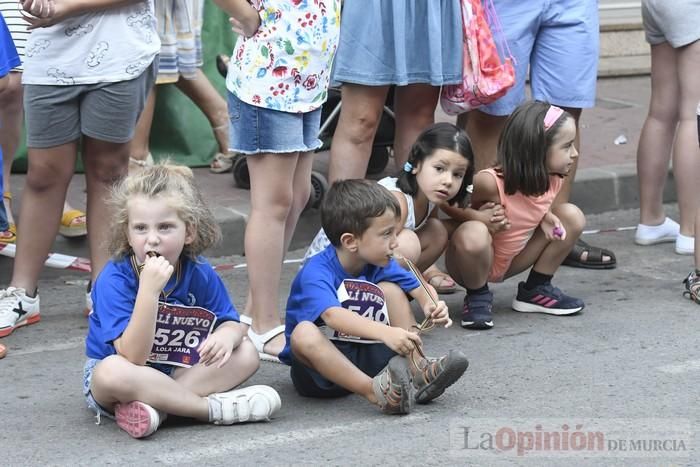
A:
(369, 358)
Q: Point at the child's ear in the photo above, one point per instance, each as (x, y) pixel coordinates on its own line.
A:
(416, 168)
(190, 235)
(349, 242)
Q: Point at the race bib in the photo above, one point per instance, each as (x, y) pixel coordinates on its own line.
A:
(180, 330)
(367, 300)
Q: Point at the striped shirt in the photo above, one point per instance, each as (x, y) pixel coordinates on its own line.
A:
(16, 25)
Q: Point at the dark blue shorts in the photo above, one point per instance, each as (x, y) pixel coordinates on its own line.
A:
(369, 358)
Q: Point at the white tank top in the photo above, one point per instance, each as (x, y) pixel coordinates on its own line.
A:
(320, 241)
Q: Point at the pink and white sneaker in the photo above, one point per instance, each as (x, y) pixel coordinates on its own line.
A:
(138, 418)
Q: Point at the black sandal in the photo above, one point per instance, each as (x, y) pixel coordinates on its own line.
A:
(594, 260)
(222, 64)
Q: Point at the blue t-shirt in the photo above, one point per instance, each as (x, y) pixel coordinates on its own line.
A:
(114, 295)
(8, 54)
(315, 289)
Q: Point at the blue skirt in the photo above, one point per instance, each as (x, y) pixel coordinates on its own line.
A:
(400, 42)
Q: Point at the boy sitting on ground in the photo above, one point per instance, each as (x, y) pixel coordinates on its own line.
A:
(349, 324)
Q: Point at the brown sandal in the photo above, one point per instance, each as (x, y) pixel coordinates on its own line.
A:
(437, 279)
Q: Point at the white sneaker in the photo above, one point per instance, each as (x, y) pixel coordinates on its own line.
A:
(251, 404)
(653, 234)
(17, 310)
(138, 418)
(685, 245)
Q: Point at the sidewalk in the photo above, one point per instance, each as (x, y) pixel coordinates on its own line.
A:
(606, 179)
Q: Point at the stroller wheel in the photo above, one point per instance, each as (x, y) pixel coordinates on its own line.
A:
(319, 187)
(378, 160)
(241, 177)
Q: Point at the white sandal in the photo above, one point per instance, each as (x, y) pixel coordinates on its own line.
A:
(259, 340)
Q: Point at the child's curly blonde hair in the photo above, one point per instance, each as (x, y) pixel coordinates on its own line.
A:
(167, 180)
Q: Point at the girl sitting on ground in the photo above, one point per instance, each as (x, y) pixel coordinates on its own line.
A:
(164, 337)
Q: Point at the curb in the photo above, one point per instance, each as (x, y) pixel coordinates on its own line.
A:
(611, 188)
(596, 190)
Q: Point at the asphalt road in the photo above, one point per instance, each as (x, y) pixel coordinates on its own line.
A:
(627, 367)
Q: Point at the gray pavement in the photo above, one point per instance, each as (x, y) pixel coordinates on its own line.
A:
(631, 356)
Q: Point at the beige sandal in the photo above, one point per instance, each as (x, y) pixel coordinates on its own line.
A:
(222, 163)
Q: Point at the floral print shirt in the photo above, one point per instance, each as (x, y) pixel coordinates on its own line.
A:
(286, 64)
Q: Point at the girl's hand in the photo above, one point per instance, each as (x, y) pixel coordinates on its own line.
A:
(40, 13)
(40, 9)
(218, 347)
(552, 228)
(438, 314)
(401, 341)
(246, 26)
(155, 274)
(494, 217)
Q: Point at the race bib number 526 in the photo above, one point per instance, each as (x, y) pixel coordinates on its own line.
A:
(180, 330)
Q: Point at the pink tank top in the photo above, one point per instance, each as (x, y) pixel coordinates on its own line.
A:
(525, 214)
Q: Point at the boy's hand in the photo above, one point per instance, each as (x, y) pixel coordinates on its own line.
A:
(155, 274)
(401, 341)
(438, 314)
(552, 228)
(218, 347)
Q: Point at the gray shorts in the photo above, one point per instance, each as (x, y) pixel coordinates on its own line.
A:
(57, 115)
(675, 22)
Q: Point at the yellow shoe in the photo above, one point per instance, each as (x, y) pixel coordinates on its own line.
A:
(73, 224)
(9, 235)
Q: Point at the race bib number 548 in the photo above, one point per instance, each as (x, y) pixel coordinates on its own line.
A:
(179, 332)
(367, 300)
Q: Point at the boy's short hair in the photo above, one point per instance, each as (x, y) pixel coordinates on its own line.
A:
(350, 205)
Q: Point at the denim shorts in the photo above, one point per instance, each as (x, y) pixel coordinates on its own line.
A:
(92, 404)
(369, 358)
(57, 115)
(257, 130)
(558, 41)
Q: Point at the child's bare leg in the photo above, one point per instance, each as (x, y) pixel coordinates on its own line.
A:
(105, 163)
(544, 256)
(300, 195)
(312, 348)
(11, 116)
(469, 255)
(686, 154)
(50, 172)
(469, 259)
(697, 229)
(207, 98)
(409, 246)
(117, 380)
(205, 380)
(352, 141)
(140, 146)
(301, 191)
(433, 239)
(414, 107)
(397, 305)
(272, 197)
